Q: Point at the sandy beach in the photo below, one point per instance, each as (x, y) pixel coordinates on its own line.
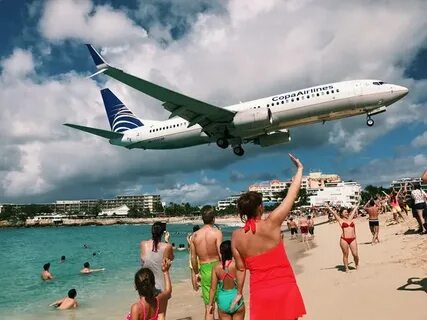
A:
(372, 292)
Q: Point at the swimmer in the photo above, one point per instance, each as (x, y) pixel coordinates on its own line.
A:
(173, 245)
(46, 275)
(86, 269)
(69, 302)
(62, 259)
(181, 247)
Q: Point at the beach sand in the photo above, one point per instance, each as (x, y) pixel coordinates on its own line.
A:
(368, 293)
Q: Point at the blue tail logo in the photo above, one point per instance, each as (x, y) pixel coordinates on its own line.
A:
(119, 116)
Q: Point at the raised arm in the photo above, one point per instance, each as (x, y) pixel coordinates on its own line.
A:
(354, 211)
(282, 211)
(168, 252)
(337, 217)
(56, 303)
(165, 295)
(214, 283)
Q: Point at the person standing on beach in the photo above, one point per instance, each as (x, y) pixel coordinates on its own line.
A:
(420, 199)
(293, 227)
(310, 223)
(303, 227)
(274, 293)
(152, 254)
(193, 276)
(372, 210)
(348, 237)
(46, 275)
(205, 253)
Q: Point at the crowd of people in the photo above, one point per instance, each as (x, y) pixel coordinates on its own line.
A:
(219, 267)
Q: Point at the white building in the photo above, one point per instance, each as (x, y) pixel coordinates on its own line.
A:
(342, 193)
(121, 211)
(400, 183)
(230, 201)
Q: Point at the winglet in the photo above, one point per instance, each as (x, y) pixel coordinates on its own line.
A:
(99, 61)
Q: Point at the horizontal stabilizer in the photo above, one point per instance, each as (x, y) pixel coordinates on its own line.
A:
(99, 132)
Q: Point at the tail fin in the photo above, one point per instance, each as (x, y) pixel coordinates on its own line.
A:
(119, 116)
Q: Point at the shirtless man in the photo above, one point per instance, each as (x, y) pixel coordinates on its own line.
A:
(66, 303)
(293, 227)
(303, 226)
(205, 253)
(372, 210)
(46, 275)
(86, 269)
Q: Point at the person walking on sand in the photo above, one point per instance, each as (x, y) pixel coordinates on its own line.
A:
(372, 210)
(223, 287)
(205, 253)
(46, 275)
(348, 237)
(420, 199)
(68, 302)
(293, 227)
(274, 293)
(152, 254)
(151, 304)
(310, 223)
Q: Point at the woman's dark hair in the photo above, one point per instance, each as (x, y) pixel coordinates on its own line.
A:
(247, 205)
(372, 202)
(46, 266)
(145, 283)
(86, 265)
(156, 232)
(342, 210)
(225, 250)
(72, 293)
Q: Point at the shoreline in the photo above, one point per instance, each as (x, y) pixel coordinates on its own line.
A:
(225, 220)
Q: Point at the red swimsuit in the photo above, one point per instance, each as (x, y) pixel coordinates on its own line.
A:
(346, 225)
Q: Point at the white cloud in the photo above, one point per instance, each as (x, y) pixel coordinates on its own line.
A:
(81, 20)
(17, 65)
(420, 141)
(199, 193)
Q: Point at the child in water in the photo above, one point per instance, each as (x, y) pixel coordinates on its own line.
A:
(66, 303)
(223, 285)
(152, 304)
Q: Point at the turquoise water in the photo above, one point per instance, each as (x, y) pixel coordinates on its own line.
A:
(102, 295)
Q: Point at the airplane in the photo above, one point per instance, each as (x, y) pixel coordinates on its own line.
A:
(264, 122)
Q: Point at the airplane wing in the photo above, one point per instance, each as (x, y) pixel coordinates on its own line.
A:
(194, 111)
(99, 132)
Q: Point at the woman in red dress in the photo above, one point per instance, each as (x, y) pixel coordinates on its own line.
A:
(274, 293)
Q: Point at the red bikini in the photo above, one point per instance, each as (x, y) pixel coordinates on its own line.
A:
(346, 225)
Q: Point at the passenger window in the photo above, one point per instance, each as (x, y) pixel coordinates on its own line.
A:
(327, 92)
(308, 97)
(268, 105)
(332, 91)
(283, 102)
(277, 103)
(292, 100)
(318, 94)
(297, 99)
(337, 90)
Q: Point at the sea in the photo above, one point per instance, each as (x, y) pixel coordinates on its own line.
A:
(101, 295)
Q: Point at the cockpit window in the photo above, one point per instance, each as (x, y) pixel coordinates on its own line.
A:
(378, 83)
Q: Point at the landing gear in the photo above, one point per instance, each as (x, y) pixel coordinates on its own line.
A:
(222, 143)
(370, 122)
(238, 151)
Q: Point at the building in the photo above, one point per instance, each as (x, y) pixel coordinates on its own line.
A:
(119, 211)
(346, 194)
(270, 190)
(229, 201)
(400, 183)
(142, 202)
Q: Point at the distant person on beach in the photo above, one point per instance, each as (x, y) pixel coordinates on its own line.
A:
(411, 204)
(68, 302)
(46, 275)
(348, 237)
(223, 287)
(152, 304)
(274, 293)
(62, 259)
(310, 223)
(372, 210)
(153, 252)
(86, 269)
(393, 198)
(303, 227)
(293, 227)
(420, 199)
(205, 253)
(195, 279)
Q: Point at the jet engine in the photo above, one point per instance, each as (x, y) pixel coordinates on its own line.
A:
(270, 139)
(253, 119)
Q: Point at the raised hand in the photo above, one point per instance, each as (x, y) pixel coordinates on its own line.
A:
(296, 161)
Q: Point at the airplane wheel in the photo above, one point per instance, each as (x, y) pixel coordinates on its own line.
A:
(238, 151)
(222, 143)
(370, 122)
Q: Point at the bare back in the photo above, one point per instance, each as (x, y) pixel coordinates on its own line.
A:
(372, 212)
(266, 237)
(67, 303)
(206, 242)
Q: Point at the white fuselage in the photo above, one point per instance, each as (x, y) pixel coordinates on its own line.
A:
(315, 104)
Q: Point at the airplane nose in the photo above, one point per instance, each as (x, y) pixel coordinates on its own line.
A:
(402, 91)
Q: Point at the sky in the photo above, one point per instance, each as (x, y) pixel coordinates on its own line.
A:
(218, 51)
